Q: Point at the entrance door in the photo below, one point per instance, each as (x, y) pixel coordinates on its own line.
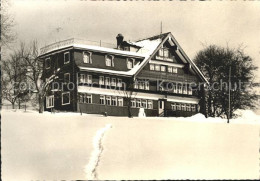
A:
(161, 106)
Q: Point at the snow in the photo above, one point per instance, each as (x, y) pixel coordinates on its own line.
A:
(96, 153)
(59, 146)
(110, 50)
(141, 113)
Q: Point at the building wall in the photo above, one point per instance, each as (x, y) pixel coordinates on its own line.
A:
(98, 61)
(57, 62)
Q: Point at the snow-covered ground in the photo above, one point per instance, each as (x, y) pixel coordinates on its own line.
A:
(60, 146)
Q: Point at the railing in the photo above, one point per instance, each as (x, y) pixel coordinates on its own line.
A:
(166, 76)
(72, 41)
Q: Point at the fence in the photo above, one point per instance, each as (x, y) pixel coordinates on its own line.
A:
(72, 41)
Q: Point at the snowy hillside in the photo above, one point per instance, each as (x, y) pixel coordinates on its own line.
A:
(70, 146)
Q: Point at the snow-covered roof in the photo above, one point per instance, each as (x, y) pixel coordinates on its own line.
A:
(90, 45)
(115, 72)
(148, 48)
(109, 50)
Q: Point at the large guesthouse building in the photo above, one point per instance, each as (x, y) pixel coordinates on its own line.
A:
(96, 78)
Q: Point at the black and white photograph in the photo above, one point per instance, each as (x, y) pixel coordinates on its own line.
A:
(130, 90)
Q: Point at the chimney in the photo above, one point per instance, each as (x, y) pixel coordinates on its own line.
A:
(119, 39)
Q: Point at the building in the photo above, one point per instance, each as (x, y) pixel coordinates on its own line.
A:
(153, 73)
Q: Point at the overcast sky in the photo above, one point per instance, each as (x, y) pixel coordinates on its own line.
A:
(192, 23)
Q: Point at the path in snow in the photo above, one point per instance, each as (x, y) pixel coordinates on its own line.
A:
(92, 165)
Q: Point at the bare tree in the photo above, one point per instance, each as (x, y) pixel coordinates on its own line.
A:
(35, 67)
(129, 94)
(14, 73)
(7, 24)
(215, 62)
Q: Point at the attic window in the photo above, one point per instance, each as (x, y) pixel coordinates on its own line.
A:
(109, 60)
(66, 57)
(130, 63)
(87, 57)
(164, 52)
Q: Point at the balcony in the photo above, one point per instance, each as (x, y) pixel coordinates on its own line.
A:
(147, 74)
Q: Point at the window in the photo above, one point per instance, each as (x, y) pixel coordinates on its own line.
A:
(179, 89)
(119, 82)
(50, 101)
(141, 84)
(120, 101)
(133, 103)
(67, 77)
(108, 100)
(144, 104)
(66, 57)
(174, 70)
(150, 104)
(151, 66)
(113, 82)
(130, 63)
(163, 68)
(107, 81)
(109, 61)
(178, 107)
(193, 108)
(82, 78)
(47, 63)
(87, 57)
(101, 80)
(157, 67)
(89, 79)
(88, 98)
(164, 52)
(147, 85)
(136, 84)
(188, 107)
(81, 98)
(173, 106)
(102, 100)
(113, 102)
(161, 52)
(174, 89)
(170, 69)
(189, 90)
(138, 103)
(185, 89)
(183, 107)
(65, 98)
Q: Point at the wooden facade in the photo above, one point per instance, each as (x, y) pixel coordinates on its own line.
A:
(99, 80)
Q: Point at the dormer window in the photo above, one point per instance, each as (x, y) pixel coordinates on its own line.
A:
(109, 60)
(66, 57)
(87, 57)
(130, 63)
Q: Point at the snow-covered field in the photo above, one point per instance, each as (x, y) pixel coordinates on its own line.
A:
(60, 147)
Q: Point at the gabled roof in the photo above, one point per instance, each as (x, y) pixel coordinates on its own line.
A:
(164, 37)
